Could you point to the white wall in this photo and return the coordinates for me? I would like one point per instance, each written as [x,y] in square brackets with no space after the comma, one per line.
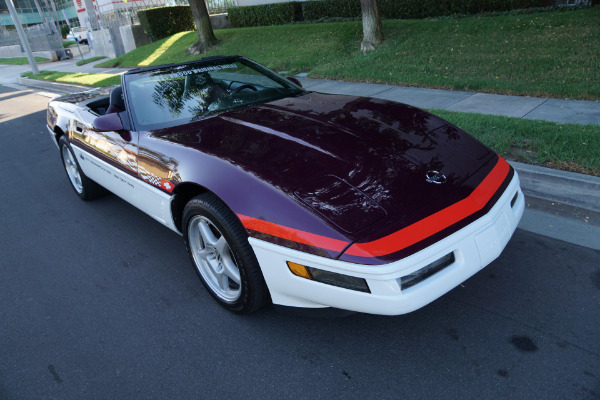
[102,43]
[75,50]
[11,51]
[15,51]
[127,37]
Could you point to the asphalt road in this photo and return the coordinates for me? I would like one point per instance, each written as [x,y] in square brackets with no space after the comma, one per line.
[97,300]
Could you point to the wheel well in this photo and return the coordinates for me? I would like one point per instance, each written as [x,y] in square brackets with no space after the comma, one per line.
[183,194]
[59,132]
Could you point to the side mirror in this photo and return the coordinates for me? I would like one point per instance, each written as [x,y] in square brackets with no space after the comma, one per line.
[108,122]
[294,81]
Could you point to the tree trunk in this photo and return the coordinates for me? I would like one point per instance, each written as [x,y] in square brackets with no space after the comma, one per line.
[53,23]
[206,36]
[57,35]
[55,16]
[371,19]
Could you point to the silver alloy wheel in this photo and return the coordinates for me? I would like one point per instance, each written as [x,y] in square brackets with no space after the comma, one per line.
[72,169]
[214,259]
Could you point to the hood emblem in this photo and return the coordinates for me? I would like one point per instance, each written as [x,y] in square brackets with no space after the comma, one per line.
[435,177]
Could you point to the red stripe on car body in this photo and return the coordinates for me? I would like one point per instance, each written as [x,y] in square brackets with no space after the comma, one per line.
[436,222]
[292,234]
[398,240]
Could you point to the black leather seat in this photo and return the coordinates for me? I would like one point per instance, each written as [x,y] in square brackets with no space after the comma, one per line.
[117,103]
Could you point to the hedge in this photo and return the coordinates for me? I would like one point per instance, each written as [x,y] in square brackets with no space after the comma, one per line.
[161,22]
[316,10]
[434,8]
[64,30]
[408,9]
[265,14]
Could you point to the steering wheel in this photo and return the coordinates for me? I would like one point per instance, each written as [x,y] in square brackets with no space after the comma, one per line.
[245,86]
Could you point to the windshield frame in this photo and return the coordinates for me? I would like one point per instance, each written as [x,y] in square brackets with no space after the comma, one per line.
[136,74]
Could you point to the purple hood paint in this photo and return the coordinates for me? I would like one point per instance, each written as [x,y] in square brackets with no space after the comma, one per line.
[371,156]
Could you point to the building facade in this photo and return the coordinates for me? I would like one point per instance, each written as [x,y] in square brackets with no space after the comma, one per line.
[28,13]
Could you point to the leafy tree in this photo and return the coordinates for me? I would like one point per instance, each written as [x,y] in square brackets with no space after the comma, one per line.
[64,30]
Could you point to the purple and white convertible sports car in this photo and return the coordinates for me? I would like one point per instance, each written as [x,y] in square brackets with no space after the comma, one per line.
[292,197]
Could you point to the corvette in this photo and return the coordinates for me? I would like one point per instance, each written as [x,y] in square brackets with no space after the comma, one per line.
[288,196]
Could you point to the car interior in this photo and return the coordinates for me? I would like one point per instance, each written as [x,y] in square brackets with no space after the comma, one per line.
[191,97]
[160,100]
[108,104]
[117,103]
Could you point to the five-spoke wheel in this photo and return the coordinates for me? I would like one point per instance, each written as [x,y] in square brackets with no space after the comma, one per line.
[213,258]
[72,169]
[83,186]
[224,260]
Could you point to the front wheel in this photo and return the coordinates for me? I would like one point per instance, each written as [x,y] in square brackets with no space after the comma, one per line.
[225,262]
[83,186]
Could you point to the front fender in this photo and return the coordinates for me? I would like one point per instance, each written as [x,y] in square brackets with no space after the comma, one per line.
[267,210]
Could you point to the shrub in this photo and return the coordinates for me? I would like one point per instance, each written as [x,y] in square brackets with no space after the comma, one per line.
[320,9]
[414,9]
[64,30]
[161,22]
[265,14]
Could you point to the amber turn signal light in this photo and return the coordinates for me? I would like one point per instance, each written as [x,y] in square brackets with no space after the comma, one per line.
[299,270]
[329,278]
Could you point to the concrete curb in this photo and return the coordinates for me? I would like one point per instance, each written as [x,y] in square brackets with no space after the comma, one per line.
[570,188]
[53,86]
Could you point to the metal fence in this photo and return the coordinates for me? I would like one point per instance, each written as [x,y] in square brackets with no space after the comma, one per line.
[124,14]
[40,38]
[219,6]
[113,23]
[213,6]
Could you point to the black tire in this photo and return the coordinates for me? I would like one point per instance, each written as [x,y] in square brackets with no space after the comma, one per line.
[217,242]
[85,188]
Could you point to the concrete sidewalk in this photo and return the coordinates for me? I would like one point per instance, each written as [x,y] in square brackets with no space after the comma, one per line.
[556,110]
[8,72]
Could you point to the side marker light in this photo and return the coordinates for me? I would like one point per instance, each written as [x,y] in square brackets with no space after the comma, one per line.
[329,278]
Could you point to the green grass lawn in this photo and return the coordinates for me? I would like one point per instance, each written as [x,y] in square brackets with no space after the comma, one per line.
[88,60]
[569,147]
[20,60]
[93,80]
[554,54]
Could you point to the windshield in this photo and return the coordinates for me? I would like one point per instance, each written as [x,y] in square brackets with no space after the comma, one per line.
[180,94]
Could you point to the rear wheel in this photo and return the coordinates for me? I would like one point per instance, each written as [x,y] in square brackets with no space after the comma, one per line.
[218,246]
[83,186]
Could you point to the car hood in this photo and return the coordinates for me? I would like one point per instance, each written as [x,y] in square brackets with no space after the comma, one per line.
[360,163]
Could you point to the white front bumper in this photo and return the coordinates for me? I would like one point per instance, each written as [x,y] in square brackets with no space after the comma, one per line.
[474,247]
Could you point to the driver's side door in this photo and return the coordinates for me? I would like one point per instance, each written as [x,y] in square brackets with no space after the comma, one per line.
[108,157]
